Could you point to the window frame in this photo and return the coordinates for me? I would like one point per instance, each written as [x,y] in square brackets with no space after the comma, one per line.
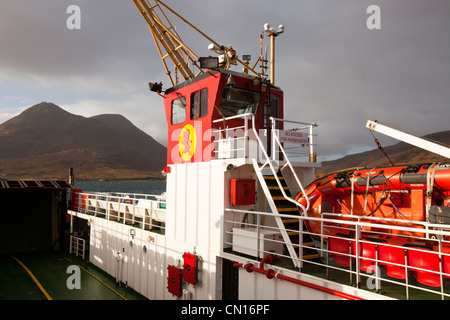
[230,105]
[199,104]
[175,111]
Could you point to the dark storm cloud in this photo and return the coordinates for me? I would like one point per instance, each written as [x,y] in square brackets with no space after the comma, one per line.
[347,74]
[36,40]
[333,69]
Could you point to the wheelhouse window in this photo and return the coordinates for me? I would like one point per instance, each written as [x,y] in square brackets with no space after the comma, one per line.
[199,104]
[179,110]
[238,101]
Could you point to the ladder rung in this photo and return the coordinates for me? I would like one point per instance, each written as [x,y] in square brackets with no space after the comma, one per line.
[179,47]
[273,178]
[290,221]
[278,188]
[287,209]
[281,198]
[311,256]
[268,168]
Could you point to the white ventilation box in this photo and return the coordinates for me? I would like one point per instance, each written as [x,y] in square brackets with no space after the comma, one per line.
[244,241]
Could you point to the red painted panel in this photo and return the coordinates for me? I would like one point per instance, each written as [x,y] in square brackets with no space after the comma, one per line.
[190,268]
[174,280]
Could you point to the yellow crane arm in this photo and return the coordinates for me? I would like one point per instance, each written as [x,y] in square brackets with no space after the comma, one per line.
[168,40]
[169,43]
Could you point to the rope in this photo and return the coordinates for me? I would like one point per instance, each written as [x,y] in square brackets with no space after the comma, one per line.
[381,148]
[396,209]
[378,205]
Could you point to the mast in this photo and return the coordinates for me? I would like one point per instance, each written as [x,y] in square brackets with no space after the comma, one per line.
[272,33]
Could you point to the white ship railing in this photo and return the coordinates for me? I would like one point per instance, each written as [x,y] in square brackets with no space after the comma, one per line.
[140,210]
[245,142]
[264,164]
[77,246]
[232,142]
[297,141]
[241,239]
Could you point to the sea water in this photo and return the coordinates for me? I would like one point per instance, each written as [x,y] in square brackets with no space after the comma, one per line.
[142,187]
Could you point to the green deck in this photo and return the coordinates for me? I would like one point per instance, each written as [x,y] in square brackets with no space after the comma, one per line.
[50,271]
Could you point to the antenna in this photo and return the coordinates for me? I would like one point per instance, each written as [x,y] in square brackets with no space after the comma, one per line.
[272,33]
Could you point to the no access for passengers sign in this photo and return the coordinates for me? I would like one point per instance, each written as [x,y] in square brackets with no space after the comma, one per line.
[293,137]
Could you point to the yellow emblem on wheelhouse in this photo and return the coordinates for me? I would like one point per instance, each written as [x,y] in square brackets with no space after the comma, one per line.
[187,142]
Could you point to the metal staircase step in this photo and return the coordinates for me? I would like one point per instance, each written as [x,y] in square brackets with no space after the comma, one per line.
[293,209]
[274,186]
[287,221]
[277,188]
[273,177]
[268,167]
[311,256]
[310,253]
[279,198]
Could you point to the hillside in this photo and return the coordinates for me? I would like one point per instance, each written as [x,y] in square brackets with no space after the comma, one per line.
[400,153]
[45,141]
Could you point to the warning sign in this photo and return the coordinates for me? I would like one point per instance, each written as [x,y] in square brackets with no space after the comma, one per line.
[293,137]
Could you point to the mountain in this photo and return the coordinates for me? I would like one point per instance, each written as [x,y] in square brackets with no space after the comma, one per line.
[400,153]
[44,141]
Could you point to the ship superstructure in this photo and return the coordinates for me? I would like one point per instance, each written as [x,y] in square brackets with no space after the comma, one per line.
[237,220]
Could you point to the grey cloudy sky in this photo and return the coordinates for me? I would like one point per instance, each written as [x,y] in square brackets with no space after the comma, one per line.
[332,68]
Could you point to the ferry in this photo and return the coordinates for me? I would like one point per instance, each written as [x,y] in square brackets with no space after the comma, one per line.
[243,216]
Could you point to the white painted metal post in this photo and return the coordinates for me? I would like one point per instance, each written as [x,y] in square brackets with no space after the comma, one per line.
[272,143]
[300,241]
[311,145]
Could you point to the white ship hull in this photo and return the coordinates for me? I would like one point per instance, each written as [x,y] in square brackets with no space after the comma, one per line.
[196,222]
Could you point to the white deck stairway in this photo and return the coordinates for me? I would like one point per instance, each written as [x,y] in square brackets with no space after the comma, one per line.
[280,199]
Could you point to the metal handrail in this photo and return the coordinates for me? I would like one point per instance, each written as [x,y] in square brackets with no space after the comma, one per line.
[98,205]
[288,162]
[243,116]
[269,161]
[237,116]
[309,126]
[75,244]
[357,240]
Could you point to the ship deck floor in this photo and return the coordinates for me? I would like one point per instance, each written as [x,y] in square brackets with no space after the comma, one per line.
[44,276]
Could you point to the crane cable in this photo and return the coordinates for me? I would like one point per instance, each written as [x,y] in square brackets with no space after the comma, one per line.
[381,148]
